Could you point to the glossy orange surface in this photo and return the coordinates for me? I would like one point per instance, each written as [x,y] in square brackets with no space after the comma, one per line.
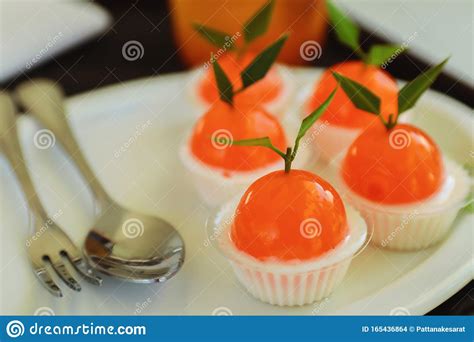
[265,90]
[399,166]
[241,121]
[288,216]
[341,111]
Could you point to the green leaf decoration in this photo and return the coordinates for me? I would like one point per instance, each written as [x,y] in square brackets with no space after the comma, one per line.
[258,24]
[259,67]
[311,119]
[265,142]
[411,92]
[216,37]
[359,95]
[346,30]
[380,54]
[226,93]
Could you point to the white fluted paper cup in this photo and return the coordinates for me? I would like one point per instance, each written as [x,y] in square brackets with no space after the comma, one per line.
[288,283]
[418,225]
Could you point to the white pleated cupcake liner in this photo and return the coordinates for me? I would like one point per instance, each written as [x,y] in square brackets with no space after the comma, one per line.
[277,107]
[415,227]
[295,283]
[291,289]
[399,232]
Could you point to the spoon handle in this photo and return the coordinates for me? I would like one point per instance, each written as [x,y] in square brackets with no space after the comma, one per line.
[43,99]
[10,146]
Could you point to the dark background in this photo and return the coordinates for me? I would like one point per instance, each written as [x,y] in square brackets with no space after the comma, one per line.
[100,62]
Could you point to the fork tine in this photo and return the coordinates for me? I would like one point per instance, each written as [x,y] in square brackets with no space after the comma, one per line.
[48,282]
[64,274]
[87,274]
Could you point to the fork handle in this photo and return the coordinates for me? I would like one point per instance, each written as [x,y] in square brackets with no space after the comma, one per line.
[44,100]
[10,146]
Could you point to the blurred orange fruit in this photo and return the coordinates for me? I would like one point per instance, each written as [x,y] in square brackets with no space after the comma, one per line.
[305,20]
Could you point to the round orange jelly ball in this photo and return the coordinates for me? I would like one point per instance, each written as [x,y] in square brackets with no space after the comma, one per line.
[289,216]
[222,123]
[402,165]
[263,91]
[341,111]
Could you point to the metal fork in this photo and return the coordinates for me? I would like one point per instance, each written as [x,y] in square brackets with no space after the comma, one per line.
[49,245]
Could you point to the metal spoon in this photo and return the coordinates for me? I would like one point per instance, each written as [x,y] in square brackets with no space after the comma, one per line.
[122,243]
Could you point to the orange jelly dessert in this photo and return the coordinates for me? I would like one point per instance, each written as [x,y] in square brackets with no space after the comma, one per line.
[264,91]
[367,71]
[343,121]
[396,166]
[288,216]
[391,162]
[289,238]
[222,123]
[396,175]
[218,168]
[341,111]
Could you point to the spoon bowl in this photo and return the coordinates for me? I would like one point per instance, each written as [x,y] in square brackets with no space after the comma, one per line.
[134,246]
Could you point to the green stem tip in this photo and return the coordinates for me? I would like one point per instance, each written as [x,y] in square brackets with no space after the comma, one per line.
[288,159]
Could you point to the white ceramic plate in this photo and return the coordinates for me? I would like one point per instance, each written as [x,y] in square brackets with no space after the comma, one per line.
[130,133]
